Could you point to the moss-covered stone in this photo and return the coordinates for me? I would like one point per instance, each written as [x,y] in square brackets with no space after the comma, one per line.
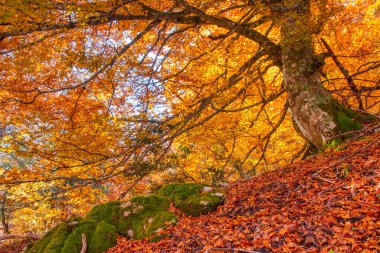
[180,191]
[55,239]
[73,243]
[109,212]
[193,199]
[140,217]
[144,216]
[67,237]
[103,238]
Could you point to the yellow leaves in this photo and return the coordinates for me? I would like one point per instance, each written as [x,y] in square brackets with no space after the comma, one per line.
[89,115]
[13,173]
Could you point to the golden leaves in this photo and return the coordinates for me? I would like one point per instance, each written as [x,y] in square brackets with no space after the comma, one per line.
[82,101]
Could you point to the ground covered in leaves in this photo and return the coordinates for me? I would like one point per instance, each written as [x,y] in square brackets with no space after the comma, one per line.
[326,203]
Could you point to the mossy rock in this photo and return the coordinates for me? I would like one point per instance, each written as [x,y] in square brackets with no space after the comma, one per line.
[140,217]
[109,212]
[74,242]
[54,240]
[103,238]
[145,216]
[67,238]
[193,199]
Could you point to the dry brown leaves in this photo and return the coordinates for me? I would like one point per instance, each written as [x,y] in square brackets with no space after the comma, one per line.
[326,203]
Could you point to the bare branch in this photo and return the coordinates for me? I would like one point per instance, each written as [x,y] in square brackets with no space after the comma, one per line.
[344,71]
[12,237]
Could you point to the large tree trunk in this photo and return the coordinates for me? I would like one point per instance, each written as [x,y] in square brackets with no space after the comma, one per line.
[315,112]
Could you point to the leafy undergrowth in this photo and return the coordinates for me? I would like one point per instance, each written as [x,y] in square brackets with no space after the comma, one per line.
[326,203]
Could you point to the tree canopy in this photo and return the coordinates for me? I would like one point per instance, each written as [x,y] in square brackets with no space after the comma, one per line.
[101,96]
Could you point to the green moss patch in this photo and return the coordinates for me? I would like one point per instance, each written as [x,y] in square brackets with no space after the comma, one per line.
[193,199]
[346,123]
[54,240]
[144,216]
[109,212]
[67,238]
[74,242]
[140,217]
[103,238]
[348,119]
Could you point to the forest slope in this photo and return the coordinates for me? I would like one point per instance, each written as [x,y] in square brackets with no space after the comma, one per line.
[326,203]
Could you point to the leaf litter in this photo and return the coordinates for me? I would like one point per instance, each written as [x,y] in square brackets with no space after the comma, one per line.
[326,203]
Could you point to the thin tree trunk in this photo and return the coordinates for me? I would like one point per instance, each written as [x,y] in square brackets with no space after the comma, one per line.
[4,222]
[3,214]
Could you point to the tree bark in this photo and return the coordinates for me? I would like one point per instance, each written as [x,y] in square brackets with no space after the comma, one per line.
[316,114]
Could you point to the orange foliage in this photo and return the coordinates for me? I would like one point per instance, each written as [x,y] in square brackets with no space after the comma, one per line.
[98,97]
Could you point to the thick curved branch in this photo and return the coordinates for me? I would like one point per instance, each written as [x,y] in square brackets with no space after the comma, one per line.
[190,15]
[269,47]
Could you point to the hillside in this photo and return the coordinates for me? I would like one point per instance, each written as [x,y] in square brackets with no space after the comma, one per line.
[326,203]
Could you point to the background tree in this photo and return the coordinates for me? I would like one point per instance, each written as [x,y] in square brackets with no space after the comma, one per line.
[98,94]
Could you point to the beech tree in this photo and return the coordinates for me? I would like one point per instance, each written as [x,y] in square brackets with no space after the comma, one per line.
[91,90]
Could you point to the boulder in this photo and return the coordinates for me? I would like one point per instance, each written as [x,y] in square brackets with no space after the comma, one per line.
[140,217]
[193,199]
[67,237]
[144,216]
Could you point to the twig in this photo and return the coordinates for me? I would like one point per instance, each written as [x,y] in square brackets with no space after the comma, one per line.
[232,250]
[326,180]
[373,115]
[331,189]
[10,237]
[84,243]
[345,73]
[344,158]
[123,194]
[345,133]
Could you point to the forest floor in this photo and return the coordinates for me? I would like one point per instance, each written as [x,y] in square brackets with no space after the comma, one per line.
[329,203]
[326,203]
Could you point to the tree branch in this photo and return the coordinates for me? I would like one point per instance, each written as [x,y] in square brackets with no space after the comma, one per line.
[231,250]
[27,236]
[345,73]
